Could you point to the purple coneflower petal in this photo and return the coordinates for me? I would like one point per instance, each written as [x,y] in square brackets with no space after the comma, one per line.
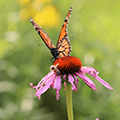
[97,119]
[46,77]
[57,85]
[89,70]
[103,82]
[31,84]
[64,77]
[76,82]
[65,85]
[47,85]
[93,72]
[57,95]
[44,80]
[39,97]
[87,80]
[71,80]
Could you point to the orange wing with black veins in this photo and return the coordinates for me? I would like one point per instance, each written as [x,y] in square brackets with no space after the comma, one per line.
[63,43]
[42,34]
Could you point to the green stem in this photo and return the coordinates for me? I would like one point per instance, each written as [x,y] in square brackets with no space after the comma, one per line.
[69,101]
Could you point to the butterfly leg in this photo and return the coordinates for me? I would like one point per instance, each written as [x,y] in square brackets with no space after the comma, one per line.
[52,59]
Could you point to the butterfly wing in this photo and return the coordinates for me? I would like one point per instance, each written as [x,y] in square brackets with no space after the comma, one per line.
[64,47]
[63,43]
[63,32]
[43,35]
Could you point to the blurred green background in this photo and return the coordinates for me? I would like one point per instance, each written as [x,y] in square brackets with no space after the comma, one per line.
[94,33]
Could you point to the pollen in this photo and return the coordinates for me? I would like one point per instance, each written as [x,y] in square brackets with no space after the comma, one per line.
[68,64]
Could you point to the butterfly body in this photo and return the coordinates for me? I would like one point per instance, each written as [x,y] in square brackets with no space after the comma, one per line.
[63,47]
[54,52]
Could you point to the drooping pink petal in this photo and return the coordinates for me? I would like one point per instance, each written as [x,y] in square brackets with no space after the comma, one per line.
[43,81]
[97,119]
[57,85]
[31,84]
[52,84]
[89,70]
[47,85]
[64,77]
[103,82]
[76,79]
[46,77]
[39,97]
[93,72]
[65,85]
[71,80]
[88,81]
[57,95]
[76,82]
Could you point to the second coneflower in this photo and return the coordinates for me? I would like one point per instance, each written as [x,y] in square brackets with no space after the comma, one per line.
[67,69]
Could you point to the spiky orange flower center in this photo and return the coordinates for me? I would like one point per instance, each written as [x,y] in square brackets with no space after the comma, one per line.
[68,64]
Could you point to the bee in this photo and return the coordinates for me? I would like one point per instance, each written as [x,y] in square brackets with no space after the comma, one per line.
[55,69]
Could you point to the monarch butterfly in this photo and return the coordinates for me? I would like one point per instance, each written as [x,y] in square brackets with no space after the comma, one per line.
[63,47]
